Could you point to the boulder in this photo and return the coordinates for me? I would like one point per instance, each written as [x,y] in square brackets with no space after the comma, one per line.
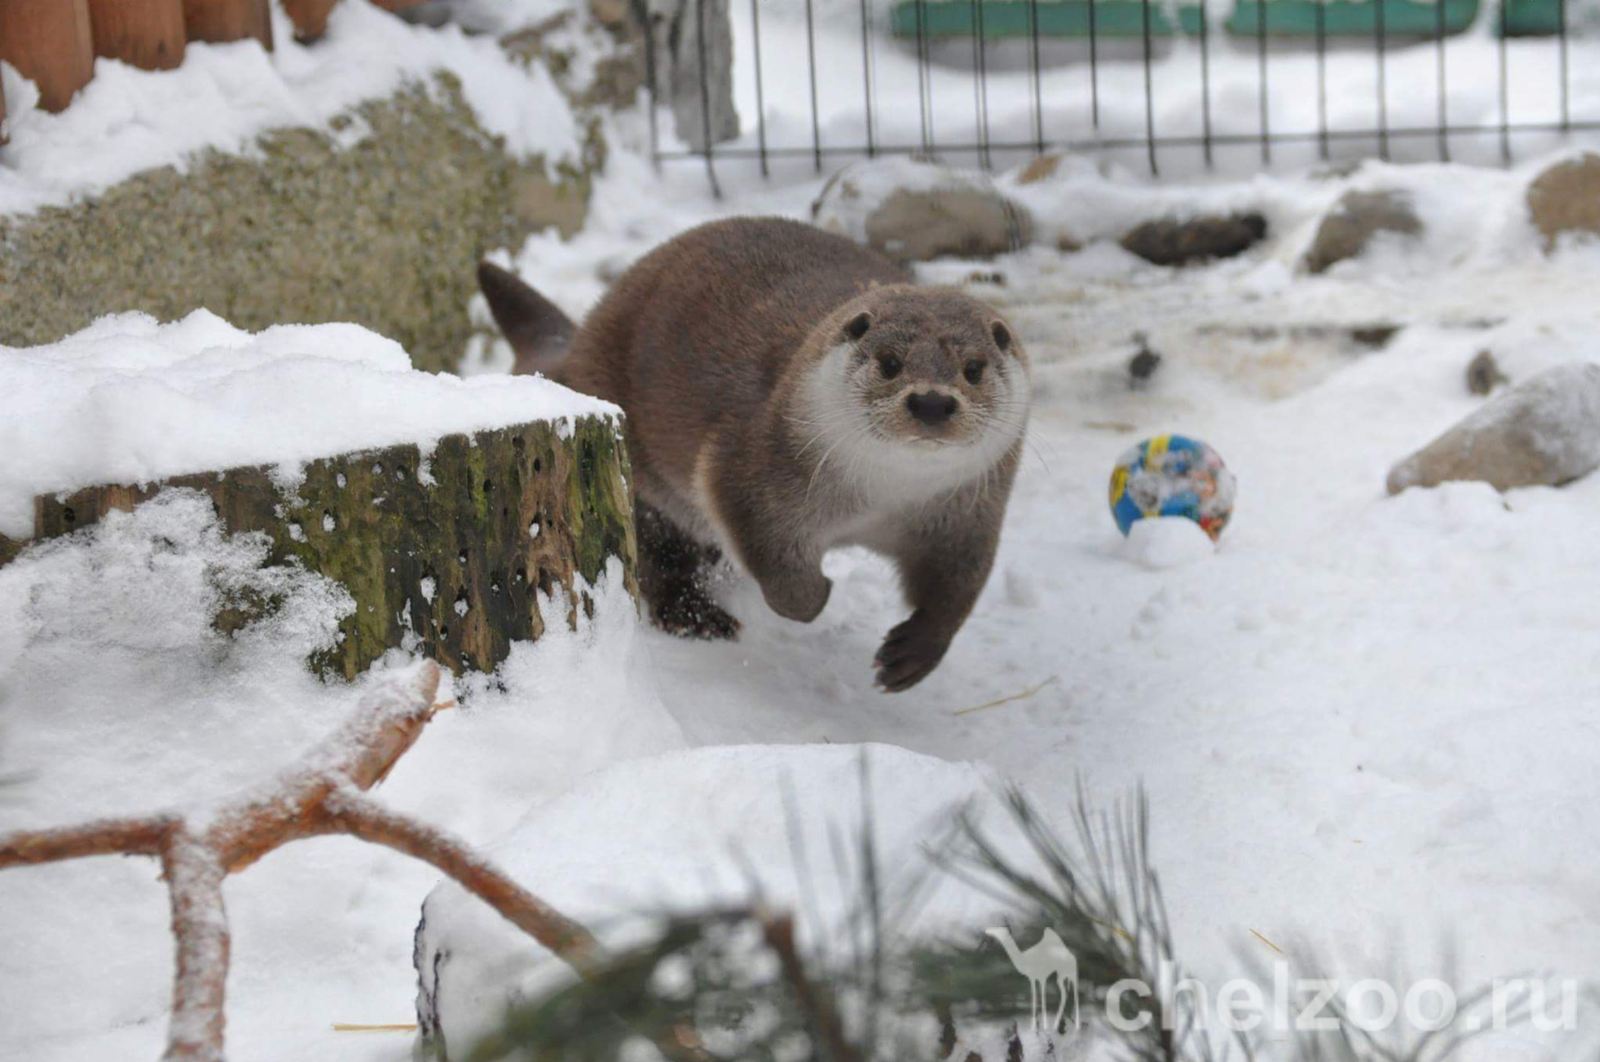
[1173,242]
[1543,432]
[917,211]
[1348,228]
[1566,198]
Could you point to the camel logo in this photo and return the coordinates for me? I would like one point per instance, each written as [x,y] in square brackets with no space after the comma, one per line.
[1046,959]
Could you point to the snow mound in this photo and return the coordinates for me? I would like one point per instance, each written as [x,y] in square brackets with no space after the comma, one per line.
[226,95]
[697,829]
[129,400]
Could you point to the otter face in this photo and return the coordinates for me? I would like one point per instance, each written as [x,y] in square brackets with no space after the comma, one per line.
[933,370]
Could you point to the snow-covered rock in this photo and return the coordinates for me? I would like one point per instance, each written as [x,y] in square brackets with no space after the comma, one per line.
[1173,241]
[1349,227]
[1545,431]
[1566,198]
[687,831]
[918,211]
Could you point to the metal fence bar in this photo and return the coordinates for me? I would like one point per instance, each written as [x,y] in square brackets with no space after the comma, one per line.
[1505,83]
[1381,46]
[1037,79]
[811,66]
[761,100]
[866,74]
[1566,66]
[1094,70]
[1261,61]
[1149,92]
[1205,83]
[1321,15]
[705,95]
[981,86]
[1443,81]
[924,82]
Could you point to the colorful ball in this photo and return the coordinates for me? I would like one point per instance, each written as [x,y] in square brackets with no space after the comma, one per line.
[1172,475]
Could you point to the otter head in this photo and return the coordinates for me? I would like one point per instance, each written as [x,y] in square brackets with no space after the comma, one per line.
[933,368]
[924,383]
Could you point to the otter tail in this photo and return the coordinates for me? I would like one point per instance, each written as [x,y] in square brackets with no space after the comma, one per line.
[538,331]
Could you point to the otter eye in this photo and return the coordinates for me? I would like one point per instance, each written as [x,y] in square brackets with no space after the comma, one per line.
[858,325]
[890,367]
[973,372]
[1002,335]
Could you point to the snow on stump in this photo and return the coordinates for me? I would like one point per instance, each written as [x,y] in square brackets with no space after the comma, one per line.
[1566,198]
[917,211]
[1542,432]
[446,507]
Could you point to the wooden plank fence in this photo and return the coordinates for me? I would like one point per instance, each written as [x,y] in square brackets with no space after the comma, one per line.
[54,42]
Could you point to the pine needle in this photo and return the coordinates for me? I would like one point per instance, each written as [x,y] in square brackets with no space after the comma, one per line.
[1029,692]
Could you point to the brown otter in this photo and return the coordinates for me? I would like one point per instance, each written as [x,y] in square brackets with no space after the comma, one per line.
[788,391]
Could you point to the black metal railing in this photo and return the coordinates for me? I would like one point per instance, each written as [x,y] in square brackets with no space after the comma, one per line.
[1289,47]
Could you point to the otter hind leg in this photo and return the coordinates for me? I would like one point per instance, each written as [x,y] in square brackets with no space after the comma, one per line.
[673,573]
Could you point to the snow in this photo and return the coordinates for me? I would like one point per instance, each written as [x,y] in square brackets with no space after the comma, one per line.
[225,96]
[129,400]
[711,826]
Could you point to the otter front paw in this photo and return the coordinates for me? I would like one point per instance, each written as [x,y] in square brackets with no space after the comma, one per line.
[909,653]
[797,595]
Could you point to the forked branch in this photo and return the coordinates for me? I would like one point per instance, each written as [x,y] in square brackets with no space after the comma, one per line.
[323,795]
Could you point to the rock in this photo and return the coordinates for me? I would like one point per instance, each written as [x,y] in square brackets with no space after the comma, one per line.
[1566,198]
[1143,364]
[1171,242]
[677,26]
[1544,431]
[1348,228]
[1040,169]
[1483,374]
[917,211]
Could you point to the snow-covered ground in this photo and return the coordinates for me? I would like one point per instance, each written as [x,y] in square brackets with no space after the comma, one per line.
[1365,722]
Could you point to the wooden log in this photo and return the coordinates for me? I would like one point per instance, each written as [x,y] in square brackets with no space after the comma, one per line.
[50,44]
[220,21]
[146,33]
[310,18]
[446,555]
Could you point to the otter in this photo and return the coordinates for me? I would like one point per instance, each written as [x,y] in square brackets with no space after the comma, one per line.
[787,391]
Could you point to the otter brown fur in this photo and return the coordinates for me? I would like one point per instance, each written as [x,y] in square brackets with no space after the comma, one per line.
[788,391]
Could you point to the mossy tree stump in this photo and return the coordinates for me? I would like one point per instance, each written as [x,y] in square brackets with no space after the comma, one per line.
[444,552]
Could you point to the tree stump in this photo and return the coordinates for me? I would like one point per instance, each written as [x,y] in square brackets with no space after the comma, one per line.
[445,553]
[310,18]
[50,43]
[220,21]
[145,33]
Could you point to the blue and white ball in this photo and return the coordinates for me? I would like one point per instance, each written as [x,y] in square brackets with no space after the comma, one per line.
[1172,475]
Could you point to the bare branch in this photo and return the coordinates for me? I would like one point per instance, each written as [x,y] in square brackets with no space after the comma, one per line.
[200,927]
[106,837]
[323,796]
[351,813]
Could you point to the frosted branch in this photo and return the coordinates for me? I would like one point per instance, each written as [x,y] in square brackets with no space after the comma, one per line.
[321,796]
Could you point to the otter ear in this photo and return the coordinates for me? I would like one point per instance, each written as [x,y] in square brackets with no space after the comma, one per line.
[1002,335]
[858,325]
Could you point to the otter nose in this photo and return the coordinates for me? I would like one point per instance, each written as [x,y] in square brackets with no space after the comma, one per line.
[931,407]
